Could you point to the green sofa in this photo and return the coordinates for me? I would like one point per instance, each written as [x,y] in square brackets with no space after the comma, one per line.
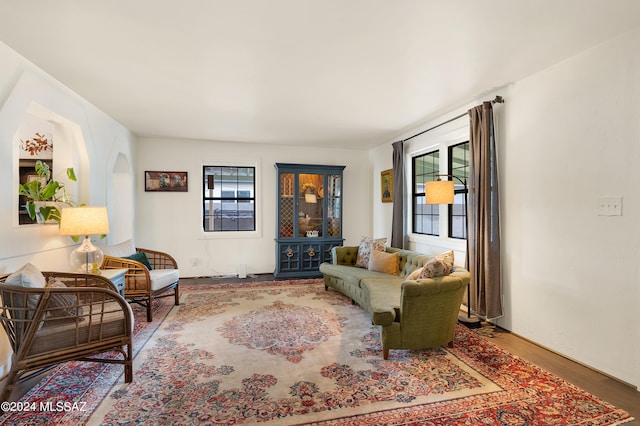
[412,314]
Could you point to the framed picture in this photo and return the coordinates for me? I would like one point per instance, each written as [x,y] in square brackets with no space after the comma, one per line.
[165,181]
[386,185]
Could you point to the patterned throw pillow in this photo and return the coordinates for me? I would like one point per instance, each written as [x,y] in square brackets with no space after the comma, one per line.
[381,261]
[62,305]
[439,266]
[415,274]
[364,250]
[448,257]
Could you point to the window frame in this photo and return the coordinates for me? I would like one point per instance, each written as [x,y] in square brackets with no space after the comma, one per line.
[458,191]
[440,138]
[237,198]
[419,197]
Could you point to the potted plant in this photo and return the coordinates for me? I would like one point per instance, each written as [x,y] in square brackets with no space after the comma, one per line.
[45,195]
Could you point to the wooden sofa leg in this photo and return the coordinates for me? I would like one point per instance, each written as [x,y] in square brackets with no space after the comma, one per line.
[176,293]
[450,344]
[385,353]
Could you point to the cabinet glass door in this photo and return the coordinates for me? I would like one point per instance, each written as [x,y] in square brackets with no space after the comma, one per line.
[287,210]
[310,215]
[334,205]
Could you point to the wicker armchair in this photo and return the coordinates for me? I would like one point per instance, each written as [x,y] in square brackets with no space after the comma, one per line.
[144,283]
[50,325]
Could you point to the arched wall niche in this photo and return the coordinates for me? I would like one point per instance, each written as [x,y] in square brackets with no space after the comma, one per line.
[69,150]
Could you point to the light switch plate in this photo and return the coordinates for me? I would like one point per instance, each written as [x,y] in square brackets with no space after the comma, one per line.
[610,206]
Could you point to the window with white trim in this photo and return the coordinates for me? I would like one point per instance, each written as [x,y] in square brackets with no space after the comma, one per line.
[426,167]
[426,217]
[229,199]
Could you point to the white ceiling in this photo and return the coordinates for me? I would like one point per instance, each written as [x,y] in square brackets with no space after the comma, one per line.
[346,73]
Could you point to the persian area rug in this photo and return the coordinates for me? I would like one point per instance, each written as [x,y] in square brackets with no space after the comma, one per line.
[290,352]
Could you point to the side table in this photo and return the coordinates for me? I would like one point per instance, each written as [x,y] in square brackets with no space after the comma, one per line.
[116,276]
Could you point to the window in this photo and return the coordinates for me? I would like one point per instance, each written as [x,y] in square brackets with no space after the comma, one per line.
[458,167]
[229,199]
[426,217]
[426,167]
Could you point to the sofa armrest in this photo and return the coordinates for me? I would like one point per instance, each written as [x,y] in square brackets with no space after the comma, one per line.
[344,255]
[159,259]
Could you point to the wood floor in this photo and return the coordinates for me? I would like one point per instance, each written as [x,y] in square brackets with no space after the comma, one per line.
[614,392]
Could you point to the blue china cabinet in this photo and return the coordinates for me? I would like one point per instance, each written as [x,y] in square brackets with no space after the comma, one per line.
[309,217]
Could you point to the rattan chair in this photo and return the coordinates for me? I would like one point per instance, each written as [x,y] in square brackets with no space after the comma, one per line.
[143,284]
[51,325]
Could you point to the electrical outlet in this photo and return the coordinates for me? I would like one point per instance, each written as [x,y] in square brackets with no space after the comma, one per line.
[610,206]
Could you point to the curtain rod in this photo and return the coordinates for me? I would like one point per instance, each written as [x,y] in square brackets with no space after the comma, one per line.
[497,100]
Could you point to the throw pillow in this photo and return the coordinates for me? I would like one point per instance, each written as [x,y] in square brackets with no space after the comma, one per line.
[415,274]
[62,304]
[367,245]
[124,249]
[447,257]
[382,261]
[30,277]
[142,258]
[436,267]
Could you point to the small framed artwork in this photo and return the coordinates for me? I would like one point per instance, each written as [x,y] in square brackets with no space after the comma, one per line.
[386,185]
[165,181]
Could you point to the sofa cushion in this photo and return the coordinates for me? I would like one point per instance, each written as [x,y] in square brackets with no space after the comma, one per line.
[381,261]
[383,298]
[367,245]
[123,249]
[161,278]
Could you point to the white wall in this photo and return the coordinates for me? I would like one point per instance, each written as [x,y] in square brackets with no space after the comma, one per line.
[566,137]
[172,221]
[26,89]
[571,134]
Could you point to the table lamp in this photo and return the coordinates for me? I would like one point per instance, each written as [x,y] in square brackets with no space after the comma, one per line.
[85,220]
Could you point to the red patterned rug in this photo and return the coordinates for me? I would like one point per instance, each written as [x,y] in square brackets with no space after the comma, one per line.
[289,352]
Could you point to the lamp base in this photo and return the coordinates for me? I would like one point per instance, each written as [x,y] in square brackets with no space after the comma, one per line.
[86,258]
[469,322]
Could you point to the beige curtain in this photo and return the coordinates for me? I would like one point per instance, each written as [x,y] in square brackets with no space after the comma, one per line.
[483,212]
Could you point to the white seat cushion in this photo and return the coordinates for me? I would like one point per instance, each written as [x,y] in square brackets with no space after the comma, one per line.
[160,278]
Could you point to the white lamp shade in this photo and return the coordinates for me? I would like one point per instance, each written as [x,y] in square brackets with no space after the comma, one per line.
[439,192]
[84,220]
